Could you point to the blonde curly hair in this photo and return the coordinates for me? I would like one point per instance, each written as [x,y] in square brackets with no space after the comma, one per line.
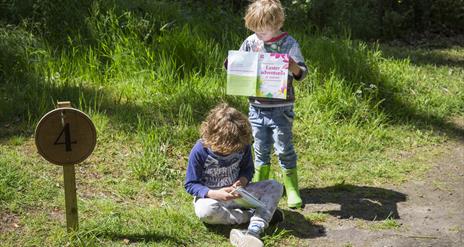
[264,15]
[225,130]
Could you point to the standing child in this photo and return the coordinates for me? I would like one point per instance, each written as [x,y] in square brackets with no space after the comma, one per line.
[272,119]
[220,162]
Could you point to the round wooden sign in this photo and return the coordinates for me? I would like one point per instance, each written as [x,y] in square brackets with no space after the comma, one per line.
[65,136]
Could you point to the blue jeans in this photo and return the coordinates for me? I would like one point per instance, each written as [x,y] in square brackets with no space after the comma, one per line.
[273,126]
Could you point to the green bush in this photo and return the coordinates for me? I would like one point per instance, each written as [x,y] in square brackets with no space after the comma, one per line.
[386,19]
[364,19]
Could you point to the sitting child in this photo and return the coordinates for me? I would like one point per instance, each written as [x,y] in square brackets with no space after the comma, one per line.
[220,162]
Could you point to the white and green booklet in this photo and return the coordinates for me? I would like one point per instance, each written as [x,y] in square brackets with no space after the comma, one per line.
[247,200]
[257,74]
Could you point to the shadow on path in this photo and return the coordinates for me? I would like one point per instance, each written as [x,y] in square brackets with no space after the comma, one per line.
[300,227]
[362,202]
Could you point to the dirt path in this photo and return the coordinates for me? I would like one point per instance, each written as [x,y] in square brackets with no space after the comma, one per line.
[426,212]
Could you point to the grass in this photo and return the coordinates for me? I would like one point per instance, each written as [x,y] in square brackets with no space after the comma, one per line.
[316,217]
[148,77]
[387,224]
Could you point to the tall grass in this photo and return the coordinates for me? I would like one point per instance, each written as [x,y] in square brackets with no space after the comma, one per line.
[147,72]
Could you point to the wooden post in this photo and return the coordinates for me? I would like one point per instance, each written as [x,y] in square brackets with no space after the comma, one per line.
[66,136]
[62,104]
[70,197]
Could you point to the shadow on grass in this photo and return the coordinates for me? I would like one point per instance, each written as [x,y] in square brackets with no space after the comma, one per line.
[422,56]
[40,99]
[25,109]
[224,230]
[143,238]
[362,202]
[27,93]
[400,112]
[357,66]
[294,224]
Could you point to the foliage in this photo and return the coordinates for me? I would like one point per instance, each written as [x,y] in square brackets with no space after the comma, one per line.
[382,19]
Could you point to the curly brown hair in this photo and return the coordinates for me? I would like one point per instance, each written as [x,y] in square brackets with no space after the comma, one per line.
[264,15]
[225,130]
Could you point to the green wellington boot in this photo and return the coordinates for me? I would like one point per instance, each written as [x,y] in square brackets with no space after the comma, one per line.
[291,188]
[261,173]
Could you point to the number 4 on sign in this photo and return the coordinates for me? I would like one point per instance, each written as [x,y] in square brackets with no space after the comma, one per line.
[67,138]
[75,131]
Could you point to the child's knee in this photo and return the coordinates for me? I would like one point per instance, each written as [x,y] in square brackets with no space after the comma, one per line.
[206,210]
[275,187]
[272,187]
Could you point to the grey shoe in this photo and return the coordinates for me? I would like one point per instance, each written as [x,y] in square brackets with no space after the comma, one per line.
[240,238]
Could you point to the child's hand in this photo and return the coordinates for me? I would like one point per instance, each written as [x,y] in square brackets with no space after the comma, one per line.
[223,194]
[241,182]
[294,68]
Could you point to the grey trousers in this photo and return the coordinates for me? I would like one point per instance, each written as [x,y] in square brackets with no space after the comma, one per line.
[212,211]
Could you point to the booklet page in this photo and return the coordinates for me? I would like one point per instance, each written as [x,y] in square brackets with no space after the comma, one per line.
[242,73]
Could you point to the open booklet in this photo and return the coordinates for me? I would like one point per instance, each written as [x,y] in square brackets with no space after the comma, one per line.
[257,74]
[247,200]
